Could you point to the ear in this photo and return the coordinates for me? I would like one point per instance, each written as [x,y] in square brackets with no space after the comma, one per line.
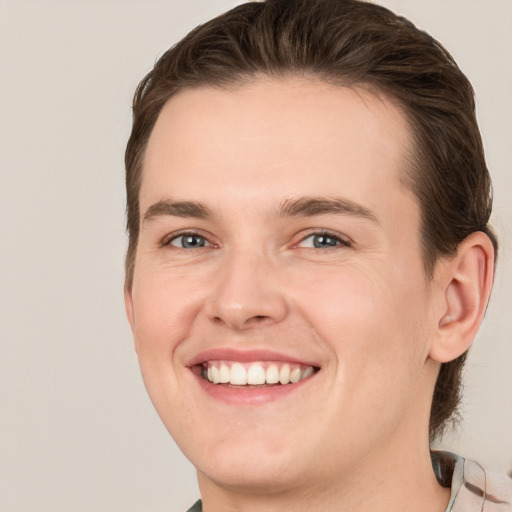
[463,285]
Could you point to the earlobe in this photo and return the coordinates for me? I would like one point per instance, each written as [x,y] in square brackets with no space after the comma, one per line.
[466,283]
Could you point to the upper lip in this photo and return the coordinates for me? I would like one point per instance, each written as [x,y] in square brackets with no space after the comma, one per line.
[247,355]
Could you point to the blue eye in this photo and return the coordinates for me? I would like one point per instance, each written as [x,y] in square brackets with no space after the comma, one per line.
[189,241]
[322,241]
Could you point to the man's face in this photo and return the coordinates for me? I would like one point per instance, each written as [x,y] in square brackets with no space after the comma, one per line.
[277,242]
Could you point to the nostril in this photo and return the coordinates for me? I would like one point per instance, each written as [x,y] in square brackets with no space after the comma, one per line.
[242,312]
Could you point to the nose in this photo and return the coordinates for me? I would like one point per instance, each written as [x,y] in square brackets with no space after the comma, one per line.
[246,294]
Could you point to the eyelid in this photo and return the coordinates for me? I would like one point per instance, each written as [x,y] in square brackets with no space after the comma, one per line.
[344,241]
[166,241]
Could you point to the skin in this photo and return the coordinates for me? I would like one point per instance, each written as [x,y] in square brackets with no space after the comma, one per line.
[361,310]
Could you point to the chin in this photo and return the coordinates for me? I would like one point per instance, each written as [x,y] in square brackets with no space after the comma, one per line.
[249,475]
[262,464]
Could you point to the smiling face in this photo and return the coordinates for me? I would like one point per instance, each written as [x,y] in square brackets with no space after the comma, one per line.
[278,246]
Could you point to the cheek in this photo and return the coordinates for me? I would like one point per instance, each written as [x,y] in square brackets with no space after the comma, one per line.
[163,314]
[164,305]
[371,321]
[373,328]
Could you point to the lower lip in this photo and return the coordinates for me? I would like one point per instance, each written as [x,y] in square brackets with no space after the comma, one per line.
[242,395]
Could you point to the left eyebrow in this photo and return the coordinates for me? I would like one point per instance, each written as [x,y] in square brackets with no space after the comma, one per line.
[312,206]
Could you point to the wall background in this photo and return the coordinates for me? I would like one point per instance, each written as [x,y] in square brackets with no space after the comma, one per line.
[77,431]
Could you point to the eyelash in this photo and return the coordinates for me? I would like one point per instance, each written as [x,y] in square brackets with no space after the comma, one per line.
[168,240]
[339,241]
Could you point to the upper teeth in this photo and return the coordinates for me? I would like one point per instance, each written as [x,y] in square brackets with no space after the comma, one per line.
[257,373]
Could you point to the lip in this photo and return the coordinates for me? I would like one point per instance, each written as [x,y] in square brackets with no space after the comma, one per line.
[246,356]
[241,395]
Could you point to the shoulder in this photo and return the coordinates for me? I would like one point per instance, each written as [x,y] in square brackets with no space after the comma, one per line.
[473,488]
[196,507]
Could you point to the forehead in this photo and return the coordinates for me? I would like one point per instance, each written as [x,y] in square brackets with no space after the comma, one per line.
[277,136]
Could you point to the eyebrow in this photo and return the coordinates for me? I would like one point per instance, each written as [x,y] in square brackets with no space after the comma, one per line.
[177,209]
[312,206]
[301,207]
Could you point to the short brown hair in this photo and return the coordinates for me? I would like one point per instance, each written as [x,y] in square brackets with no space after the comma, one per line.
[345,42]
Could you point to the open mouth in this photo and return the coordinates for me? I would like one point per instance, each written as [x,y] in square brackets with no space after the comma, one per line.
[254,374]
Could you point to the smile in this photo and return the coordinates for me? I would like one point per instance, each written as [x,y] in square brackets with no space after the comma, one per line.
[257,373]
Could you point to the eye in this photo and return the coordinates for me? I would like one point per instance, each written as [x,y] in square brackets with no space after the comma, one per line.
[323,241]
[188,241]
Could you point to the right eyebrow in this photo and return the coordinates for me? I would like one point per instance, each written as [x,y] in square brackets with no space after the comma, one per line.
[176,209]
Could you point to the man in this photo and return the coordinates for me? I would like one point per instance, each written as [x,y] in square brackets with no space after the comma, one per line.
[310,258]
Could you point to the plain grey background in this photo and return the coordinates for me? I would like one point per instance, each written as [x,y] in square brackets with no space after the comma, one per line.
[77,432]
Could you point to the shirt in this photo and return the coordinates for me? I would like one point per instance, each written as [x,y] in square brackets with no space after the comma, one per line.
[473,489]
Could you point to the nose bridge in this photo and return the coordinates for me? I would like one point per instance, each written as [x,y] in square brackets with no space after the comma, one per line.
[246,291]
